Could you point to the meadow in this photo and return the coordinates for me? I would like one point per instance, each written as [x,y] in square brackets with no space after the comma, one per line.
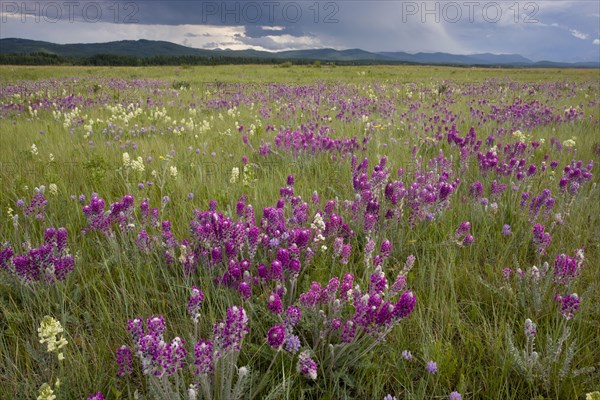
[259,232]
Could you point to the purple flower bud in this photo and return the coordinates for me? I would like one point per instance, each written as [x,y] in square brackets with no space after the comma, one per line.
[307,366]
[405,305]
[96,396]
[431,367]
[530,328]
[195,301]
[276,270]
[276,336]
[462,229]
[262,271]
[386,248]
[293,315]
[315,198]
[294,266]
[468,240]
[274,303]
[245,290]
[292,344]
[455,396]
[568,305]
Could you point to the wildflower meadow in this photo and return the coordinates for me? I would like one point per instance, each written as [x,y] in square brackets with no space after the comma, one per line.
[305,232]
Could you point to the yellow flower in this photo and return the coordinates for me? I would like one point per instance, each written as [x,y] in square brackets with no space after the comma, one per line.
[49,332]
[53,189]
[569,142]
[235,175]
[46,393]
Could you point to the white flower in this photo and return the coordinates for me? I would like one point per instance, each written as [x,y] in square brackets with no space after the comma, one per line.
[34,149]
[53,189]
[192,394]
[173,171]
[235,175]
[569,142]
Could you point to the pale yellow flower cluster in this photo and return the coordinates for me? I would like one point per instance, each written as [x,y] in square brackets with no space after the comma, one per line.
[318,222]
[235,175]
[46,393]
[521,137]
[592,396]
[135,165]
[248,176]
[53,189]
[50,332]
[569,142]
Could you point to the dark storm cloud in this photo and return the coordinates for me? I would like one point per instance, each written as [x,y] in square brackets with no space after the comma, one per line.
[556,30]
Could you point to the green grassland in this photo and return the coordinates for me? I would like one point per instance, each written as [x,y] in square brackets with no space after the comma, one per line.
[465,310]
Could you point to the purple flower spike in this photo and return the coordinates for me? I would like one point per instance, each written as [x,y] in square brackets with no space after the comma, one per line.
[203,352]
[124,360]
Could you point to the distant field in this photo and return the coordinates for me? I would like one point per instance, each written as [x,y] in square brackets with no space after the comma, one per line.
[412,231]
[305,74]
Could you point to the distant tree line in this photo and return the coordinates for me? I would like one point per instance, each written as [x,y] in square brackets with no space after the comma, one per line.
[42,58]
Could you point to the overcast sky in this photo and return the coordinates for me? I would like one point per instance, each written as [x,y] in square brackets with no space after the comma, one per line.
[540,30]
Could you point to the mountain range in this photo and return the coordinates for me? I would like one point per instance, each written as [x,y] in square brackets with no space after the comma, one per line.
[151,48]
